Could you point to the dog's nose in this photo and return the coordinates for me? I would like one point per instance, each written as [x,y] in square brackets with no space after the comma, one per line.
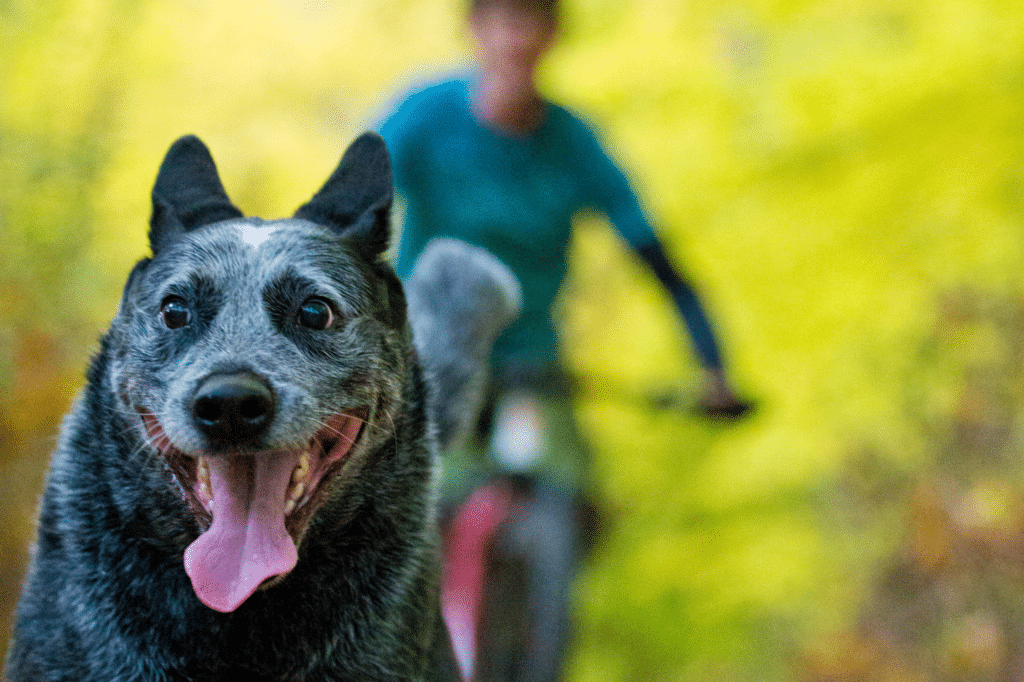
[233,408]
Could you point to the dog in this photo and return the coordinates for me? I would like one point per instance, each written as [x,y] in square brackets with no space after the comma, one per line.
[244,487]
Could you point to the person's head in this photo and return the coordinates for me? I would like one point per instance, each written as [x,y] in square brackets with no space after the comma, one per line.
[513,35]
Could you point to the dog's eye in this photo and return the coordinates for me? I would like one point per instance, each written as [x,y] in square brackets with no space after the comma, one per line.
[315,313]
[175,313]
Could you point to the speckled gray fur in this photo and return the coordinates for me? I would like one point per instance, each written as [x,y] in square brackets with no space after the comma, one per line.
[107,597]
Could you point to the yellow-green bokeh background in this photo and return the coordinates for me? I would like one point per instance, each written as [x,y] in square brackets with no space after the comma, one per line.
[842,179]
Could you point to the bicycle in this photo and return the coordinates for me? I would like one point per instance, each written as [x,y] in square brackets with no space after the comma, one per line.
[512,548]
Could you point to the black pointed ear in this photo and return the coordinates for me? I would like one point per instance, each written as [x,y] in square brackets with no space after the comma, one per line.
[355,201]
[187,194]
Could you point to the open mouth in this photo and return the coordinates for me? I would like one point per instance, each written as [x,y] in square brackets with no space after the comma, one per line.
[253,508]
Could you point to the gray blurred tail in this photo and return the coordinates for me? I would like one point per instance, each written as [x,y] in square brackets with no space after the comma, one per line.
[460,298]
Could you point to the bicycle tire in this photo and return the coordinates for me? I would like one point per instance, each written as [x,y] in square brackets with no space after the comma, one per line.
[504,625]
[523,630]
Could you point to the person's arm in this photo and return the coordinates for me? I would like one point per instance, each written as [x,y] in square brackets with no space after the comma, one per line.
[610,192]
[687,303]
[718,399]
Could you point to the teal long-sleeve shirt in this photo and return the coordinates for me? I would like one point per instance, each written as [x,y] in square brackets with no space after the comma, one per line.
[515,195]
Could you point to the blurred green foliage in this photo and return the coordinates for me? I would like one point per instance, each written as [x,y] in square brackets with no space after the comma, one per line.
[843,179]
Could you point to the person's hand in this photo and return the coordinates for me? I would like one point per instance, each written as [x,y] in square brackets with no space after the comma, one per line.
[719,401]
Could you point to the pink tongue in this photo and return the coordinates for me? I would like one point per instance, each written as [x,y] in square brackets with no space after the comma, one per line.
[247,542]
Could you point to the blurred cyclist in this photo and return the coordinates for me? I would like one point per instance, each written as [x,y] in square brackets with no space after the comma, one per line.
[486,158]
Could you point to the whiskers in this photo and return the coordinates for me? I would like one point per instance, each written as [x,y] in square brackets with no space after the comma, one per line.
[332,425]
[149,425]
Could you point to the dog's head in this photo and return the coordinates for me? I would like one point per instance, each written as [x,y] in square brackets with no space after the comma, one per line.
[261,360]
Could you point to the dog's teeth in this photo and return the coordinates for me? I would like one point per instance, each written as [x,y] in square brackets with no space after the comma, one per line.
[293,496]
[302,469]
[205,492]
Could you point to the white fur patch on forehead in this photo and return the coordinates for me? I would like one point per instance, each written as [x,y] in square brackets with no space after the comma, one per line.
[256,235]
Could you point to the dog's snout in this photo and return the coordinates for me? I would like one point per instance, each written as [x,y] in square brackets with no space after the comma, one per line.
[233,408]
